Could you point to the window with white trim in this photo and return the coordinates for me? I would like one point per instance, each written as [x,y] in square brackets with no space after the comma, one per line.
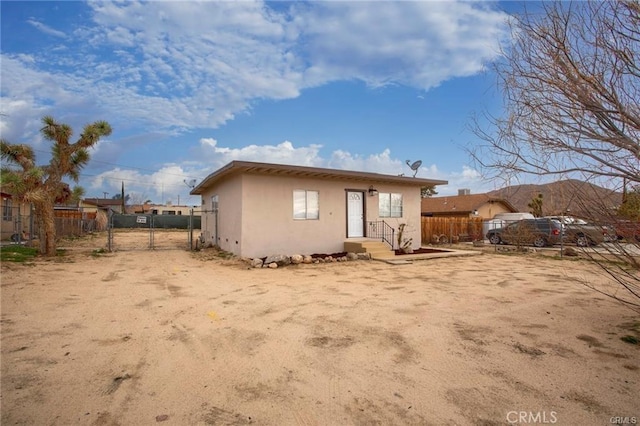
[389,204]
[305,205]
[7,209]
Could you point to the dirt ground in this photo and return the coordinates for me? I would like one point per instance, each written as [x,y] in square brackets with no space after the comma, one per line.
[168,336]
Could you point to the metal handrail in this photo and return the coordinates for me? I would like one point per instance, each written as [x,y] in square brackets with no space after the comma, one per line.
[382,230]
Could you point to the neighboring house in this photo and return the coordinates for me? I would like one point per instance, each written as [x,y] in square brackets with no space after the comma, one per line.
[76,218]
[258,209]
[168,209]
[70,206]
[90,206]
[16,216]
[106,204]
[465,205]
[163,209]
[139,208]
[115,205]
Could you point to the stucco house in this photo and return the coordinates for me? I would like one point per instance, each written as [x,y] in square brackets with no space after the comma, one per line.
[16,217]
[169,209]
[104,204]
[257,209]
[466,205]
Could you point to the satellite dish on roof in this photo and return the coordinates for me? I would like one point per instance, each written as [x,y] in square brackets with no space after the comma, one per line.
[414,166]
[190,183]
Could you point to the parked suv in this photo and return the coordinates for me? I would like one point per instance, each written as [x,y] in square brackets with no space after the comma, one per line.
[539,232]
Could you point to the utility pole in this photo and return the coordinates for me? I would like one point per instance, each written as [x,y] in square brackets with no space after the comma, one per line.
[122,199]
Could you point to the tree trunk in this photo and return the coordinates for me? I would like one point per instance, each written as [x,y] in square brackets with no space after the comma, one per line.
[47,228]
[39,228]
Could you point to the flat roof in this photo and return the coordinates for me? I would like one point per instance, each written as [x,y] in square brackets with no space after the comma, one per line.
[250,167]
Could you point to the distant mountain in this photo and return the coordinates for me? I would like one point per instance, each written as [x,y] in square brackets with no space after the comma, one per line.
[571,197]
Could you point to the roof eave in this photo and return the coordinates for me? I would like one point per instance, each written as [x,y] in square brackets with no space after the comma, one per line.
[312,172]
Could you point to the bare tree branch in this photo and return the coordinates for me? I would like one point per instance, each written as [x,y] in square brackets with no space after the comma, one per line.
[571,87]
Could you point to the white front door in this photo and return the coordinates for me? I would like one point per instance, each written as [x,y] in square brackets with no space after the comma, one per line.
[355,214]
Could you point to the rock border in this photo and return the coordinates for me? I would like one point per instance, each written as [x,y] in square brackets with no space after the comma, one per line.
[279,260]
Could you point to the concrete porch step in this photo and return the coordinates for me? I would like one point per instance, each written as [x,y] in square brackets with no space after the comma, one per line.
[399,261]
[377,248]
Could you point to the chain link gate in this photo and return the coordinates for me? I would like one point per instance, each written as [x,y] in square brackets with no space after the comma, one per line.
[151,232]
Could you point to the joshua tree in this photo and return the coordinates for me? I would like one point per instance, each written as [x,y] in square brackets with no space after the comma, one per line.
[43,186]
[536,206]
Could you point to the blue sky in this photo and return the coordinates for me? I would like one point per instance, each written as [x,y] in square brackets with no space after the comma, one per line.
[190,86]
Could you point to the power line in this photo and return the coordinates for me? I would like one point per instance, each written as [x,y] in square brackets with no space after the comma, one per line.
[130,167]
[138,182]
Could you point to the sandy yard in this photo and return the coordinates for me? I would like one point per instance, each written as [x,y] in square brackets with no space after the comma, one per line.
[172,337]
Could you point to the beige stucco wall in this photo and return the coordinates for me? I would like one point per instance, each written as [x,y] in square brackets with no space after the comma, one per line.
[87,208]
[229,222]
[489,210]
[255,216]
[20,218]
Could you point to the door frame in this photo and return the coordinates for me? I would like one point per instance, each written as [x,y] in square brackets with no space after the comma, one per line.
[364,210]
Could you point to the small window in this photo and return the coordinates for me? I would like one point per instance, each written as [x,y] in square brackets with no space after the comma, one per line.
[389,205]
[7,210]
[305,205]
[214,203]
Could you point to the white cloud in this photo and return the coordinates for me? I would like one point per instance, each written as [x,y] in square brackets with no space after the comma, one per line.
[176,66]
[419,44]
[121,36]
[377,163]
[184,65]
[16,117]
[467,178]
[46,29]
[469,173]
[208,142]
[165,184]
[282,153]
[29,93]
[169,180]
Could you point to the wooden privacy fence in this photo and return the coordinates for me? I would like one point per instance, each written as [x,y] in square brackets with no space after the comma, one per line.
[71,223]
[451,229]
